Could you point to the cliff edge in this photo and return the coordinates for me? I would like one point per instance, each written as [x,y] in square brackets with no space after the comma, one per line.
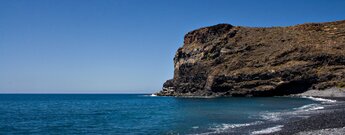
[226,60]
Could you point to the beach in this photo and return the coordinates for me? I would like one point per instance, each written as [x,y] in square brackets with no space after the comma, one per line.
[326,118]
[328,121]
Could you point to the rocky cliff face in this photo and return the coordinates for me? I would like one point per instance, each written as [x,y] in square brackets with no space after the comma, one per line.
[226,60]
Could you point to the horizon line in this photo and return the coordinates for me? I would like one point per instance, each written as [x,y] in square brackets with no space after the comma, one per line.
[75,93]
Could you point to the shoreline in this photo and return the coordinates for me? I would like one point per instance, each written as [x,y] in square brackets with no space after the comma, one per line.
[326,93]
[328,121]
[325,118]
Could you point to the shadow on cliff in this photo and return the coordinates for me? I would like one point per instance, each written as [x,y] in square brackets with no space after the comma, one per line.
[293,87]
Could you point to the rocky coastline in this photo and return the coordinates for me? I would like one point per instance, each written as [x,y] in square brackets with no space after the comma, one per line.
[227,60]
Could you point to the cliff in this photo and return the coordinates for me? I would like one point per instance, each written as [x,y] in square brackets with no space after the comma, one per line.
[226,60]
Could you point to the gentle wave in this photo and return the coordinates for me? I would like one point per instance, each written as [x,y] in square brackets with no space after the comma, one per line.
[276,116]
[310,107]
[268,130]
[195,127]
[323,100]
[153,95]
[271,116]
[223,128]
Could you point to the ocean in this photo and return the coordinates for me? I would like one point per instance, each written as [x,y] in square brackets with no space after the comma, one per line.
[144,114]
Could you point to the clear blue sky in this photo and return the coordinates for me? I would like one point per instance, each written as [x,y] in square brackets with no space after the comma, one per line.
[126,46]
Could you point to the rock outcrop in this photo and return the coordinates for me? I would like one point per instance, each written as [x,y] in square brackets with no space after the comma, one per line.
[226,60]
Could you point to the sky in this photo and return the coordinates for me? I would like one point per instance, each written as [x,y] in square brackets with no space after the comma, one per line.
[122,46]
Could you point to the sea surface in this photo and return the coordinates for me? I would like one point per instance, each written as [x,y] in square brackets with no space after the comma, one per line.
[145,114]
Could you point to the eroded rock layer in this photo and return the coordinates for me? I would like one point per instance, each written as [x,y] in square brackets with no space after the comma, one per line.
[226,60]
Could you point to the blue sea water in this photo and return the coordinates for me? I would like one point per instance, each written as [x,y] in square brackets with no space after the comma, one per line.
[135,113]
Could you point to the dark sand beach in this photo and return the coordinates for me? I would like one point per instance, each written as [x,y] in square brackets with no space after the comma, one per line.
[332,119]
[327,118]
[328,121]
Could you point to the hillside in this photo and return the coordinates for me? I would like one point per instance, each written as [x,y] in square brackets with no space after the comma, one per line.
[226,60]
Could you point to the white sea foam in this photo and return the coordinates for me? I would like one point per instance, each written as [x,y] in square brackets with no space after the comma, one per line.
[273,116]
[225,127]
[276,116]
[268,130]
[320,99]
[310,107]
[222,128]
[195,127]
[153,95]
